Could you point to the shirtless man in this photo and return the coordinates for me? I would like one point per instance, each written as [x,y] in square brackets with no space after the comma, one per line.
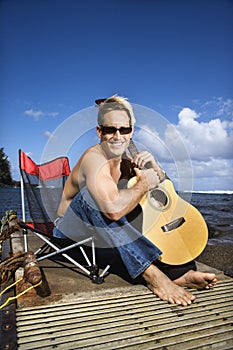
[98,173]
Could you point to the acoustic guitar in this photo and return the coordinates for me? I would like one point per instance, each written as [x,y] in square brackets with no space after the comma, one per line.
[175,226]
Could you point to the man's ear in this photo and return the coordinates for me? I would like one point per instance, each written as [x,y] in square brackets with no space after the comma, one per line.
[98,131]
[131,134]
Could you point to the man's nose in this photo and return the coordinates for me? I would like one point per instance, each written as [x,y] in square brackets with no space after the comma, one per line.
[117,133]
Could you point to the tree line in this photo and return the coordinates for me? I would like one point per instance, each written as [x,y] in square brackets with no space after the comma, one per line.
[5,171]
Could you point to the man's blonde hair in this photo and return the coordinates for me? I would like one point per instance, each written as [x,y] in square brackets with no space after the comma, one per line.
[115,102]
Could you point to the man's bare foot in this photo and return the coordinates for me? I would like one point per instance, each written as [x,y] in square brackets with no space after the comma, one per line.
[165,289]
[197,280]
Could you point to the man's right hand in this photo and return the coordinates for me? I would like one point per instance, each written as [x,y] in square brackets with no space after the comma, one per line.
[148,178]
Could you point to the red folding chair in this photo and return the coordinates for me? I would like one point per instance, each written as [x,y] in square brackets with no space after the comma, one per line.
[43,186]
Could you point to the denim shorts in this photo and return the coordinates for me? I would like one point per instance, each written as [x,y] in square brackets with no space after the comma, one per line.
[83,219]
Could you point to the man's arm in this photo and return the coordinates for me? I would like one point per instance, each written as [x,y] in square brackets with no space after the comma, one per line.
[115,203]
[70,190]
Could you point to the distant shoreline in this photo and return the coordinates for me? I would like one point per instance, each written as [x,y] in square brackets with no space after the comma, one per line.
[211,192]
[17,185]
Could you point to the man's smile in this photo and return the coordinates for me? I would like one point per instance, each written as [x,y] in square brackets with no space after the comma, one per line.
[116,143]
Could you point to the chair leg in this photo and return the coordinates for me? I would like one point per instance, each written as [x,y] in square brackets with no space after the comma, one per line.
[93,269]
[42,249]
[61,251]
[96,278]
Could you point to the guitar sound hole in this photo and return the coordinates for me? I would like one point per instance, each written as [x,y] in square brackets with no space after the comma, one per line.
[159,198]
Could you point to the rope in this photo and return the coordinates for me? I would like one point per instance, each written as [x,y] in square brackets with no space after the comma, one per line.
[19,295]
[9,265]
[9,216]
[8,225]
[7,232]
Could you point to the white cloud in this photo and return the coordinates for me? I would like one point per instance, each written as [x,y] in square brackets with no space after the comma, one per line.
[198,148]
[52,114]
[215,174]
[209,144]
[213,168]
[217,106]
[204,140]
[187,115]
[37,114]
[49,135]
[174,159]
[225,107]
[150,138]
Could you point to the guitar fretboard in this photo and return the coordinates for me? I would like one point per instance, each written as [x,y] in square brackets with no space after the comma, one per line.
[134,151]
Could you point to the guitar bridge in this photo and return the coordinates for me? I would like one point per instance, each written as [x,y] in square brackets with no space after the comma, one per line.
[173,224]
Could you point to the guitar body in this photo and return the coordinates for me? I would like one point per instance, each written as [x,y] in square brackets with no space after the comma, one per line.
[176,227]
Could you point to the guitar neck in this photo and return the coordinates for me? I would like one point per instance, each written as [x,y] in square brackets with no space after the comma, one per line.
[134,151]
[132,148]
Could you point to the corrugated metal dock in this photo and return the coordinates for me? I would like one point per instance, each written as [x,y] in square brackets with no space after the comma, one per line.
[78,314]
[133,321]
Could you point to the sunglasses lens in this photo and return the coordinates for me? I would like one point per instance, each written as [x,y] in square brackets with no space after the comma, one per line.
[124,131]
[112,130]
[108,130]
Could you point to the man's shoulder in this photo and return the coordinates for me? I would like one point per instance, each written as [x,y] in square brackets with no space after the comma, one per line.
[92,155]
[93,151]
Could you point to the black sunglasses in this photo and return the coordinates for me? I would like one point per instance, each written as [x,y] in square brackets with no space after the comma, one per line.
[123,130]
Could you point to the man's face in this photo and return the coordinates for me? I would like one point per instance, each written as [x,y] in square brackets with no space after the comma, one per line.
[115,142]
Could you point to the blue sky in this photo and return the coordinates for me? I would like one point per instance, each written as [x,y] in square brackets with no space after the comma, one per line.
[173,57]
